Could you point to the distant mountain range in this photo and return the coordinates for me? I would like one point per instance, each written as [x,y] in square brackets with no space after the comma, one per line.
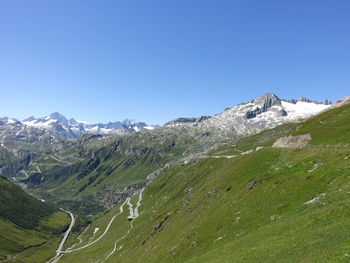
[266,111]
[71,128]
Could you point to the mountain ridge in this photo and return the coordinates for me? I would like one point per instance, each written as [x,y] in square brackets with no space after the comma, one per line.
[248,118]
[71,128]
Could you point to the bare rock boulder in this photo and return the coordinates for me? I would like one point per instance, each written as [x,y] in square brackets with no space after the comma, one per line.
[293,141]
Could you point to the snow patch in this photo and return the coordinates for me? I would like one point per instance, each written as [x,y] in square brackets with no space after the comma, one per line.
[303,109]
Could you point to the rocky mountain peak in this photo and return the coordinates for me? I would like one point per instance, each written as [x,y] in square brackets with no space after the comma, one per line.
[265,103]
[59,124]
[57,117]
[31,118]
[303,99]
[327,102]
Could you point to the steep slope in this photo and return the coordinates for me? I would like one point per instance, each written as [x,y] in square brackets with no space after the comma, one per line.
[27,224]
[242,203]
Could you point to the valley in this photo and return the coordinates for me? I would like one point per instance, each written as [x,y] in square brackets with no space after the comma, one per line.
[239,185]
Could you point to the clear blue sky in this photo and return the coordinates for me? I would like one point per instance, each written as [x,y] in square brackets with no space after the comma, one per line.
[155,60]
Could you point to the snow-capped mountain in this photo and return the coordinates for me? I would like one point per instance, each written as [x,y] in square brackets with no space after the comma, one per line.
[71,128]
[7,120]
[264,112]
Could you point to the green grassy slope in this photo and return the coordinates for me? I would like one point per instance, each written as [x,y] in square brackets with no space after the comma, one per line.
[26,223]
[125,162]
[271,205]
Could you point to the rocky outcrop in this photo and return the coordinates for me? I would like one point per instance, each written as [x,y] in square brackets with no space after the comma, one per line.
[341,102]
[109,199]
[303,99]
[264,104]
[293,141]
[187,121]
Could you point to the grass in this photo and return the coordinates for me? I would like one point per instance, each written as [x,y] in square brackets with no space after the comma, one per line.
[14,238]
[26,223]
[21,208]
[31,245]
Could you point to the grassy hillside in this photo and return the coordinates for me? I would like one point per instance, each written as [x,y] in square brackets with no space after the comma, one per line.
[112,171]
[266,205]
[27,224]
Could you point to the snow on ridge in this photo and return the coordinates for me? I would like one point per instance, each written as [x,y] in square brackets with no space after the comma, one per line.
[303,109]
[10,121]
[92,129]
[262,113]
[105,130]
[83,122]
[38,124]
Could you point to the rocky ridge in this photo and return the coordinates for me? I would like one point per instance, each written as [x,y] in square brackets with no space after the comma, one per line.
[264,112]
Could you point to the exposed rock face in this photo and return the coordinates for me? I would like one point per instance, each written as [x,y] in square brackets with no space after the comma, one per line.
[110,198]
[303,99]
[293,141]
[341,102]
[186,121]
[264,104]
[265,112]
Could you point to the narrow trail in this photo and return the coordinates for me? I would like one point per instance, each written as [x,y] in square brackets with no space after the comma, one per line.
[45,164]
[59,251]
[93,235]
[134,214]
[59,160]
[223,156]
[25,173]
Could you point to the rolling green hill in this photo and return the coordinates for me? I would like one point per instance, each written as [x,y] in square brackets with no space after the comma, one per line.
[27,225]
[241,204]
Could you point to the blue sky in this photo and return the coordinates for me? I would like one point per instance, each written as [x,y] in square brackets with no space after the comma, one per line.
[155,60]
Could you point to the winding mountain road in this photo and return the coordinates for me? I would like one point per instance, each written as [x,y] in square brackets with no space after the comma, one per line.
[134,214]
[59,251]
[222,156]
[59,160]
[121,210]
[79,238]
[25,173]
